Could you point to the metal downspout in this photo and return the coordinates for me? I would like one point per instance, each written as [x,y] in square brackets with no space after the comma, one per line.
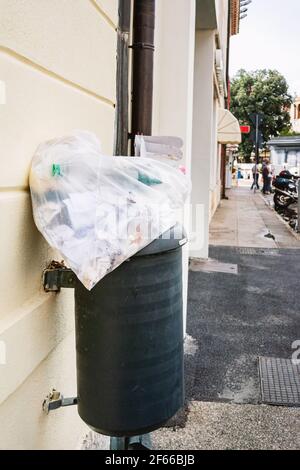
[227,101]
[122,107]
[143,64]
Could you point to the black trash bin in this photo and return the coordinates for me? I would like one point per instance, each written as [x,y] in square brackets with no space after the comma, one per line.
[129,342]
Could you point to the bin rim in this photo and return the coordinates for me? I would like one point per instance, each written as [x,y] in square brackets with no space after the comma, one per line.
[170,240]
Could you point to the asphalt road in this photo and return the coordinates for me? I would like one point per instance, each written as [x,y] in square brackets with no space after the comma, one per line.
[233,319]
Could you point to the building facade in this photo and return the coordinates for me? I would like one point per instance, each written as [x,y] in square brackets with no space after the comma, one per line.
[190,95]
[285,154]
[213,30]
[58,73]
[295,115]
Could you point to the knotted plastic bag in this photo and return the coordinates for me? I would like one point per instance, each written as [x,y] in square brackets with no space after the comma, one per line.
[98,211]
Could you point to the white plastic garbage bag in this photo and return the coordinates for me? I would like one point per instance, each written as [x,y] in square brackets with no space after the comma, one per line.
[164,149]
[98,211]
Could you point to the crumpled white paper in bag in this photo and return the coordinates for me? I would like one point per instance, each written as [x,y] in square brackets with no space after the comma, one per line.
[98,211]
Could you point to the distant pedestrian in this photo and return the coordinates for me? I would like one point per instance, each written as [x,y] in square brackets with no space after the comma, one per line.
[255,174]
[265,174]
[270,179]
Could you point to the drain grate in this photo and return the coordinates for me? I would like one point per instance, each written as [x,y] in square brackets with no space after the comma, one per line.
[279,381]
[258,251]
[212,266]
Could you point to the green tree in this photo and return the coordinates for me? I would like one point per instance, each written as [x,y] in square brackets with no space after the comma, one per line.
[261,91]
[289,133]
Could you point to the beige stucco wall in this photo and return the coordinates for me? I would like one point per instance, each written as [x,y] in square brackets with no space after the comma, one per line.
[184,108]
[203,143]
[173,85]
[215,189]
[206,152]
[222,17]
[57,65]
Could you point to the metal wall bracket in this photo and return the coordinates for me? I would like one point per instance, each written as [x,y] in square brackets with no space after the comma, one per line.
[58,276]
[142,45]
[55,400]
[131,443]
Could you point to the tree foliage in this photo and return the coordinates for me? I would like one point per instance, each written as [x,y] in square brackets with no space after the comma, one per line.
[261,91]
[289,133]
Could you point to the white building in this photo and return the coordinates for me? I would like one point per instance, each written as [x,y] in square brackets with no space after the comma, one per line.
[285,154]
[191,105]
[295,115]
[58,73]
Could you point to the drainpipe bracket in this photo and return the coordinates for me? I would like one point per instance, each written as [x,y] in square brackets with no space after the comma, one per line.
[55,400]
[57,276]
[142,45]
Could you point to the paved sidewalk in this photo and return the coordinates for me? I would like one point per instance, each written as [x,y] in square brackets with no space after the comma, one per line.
[245,219]
[219,426]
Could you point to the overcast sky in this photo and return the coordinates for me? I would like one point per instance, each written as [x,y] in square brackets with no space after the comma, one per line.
[270,38]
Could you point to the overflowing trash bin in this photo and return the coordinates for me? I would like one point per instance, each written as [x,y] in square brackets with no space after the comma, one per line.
[114,221]
[129,342]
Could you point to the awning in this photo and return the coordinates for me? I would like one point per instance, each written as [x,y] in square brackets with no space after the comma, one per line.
[229,131]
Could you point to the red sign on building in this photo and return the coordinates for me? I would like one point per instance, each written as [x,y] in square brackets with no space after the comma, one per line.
[245,129]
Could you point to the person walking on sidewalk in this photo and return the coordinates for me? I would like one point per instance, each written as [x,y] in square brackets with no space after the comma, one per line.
[265,173]
[270,179]
[255,174]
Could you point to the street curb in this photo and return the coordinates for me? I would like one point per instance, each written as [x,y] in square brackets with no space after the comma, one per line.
[295,234]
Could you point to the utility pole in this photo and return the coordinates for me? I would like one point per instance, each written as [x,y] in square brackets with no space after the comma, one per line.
[256,152]
[256,139]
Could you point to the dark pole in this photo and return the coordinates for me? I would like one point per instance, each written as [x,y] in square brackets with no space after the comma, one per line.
[227,101]
[223,169]
[143,63]
[256,152]
[121,142]
[256,139]
[228,54]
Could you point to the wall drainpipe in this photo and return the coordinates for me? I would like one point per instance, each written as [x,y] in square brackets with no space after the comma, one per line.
[143,65]
[223,150]
[228,55]
[122,107]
